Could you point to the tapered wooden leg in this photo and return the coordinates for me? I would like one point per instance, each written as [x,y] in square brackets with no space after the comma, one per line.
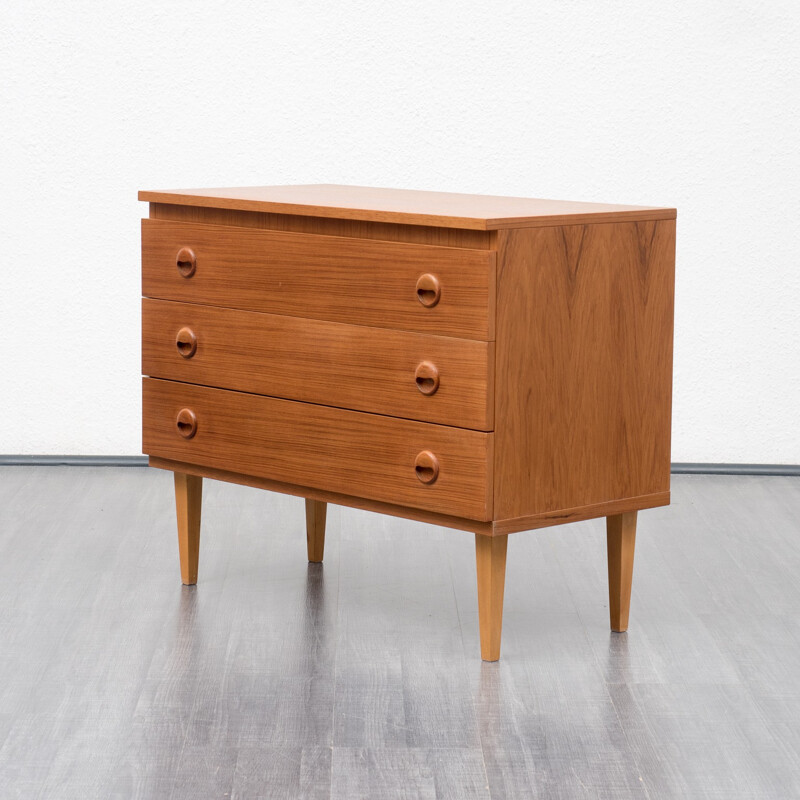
[621,536]
[188,501]
[490,555]
[316,512]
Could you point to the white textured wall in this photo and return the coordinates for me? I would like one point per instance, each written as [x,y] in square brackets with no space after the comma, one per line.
[690,104]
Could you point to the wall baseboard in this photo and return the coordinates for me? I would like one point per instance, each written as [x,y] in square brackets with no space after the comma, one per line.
[73,461]
[690,468]
[681,468]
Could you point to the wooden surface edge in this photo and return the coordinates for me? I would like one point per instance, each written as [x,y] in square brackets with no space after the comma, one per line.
[326,226]
[488,252]
[419,515]
[406,217]
[589,218]
[497,528]
[580,513]
[295,209]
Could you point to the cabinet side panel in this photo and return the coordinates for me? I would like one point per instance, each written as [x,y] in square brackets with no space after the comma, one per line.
[583,365]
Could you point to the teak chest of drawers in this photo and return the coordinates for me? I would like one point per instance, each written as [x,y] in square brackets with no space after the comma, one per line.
[484,363]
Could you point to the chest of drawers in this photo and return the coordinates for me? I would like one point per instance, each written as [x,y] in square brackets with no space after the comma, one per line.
[481,363]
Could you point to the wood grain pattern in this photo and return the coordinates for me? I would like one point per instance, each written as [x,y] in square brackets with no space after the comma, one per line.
[488,528]
[330,363]
[443,209]
[188,506]
[316,513]
[366,282]
[490,557]
[344,302]
[621,542]
[583,366]
[343,451]
[580,513]
[329,226]
[324,495]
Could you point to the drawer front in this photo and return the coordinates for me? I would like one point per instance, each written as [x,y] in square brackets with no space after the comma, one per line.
[349,452]
[399,373]
[444,290]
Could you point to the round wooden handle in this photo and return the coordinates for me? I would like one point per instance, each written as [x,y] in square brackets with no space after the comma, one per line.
[186,261]
[427,377]
[186,423]
[426,466]
[186,342]
[429,290]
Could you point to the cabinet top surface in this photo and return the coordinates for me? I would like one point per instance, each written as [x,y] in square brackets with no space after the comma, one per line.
[438,209]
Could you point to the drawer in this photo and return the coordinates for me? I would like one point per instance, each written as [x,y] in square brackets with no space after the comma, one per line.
[400,373]
[348,452]
[416,287]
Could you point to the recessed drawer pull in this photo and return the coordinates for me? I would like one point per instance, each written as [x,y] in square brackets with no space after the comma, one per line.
[186,342]
[429,290]
[186,261]
[186,423]
[426,466]
[427,377]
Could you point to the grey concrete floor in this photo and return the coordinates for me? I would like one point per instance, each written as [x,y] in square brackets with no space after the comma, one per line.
[362,678]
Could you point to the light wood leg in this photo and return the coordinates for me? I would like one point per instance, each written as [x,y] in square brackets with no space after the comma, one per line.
[621,536]
[188,502]
[316,512]
[490,556]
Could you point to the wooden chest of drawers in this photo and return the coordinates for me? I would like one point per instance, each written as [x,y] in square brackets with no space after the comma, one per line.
[483,363]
